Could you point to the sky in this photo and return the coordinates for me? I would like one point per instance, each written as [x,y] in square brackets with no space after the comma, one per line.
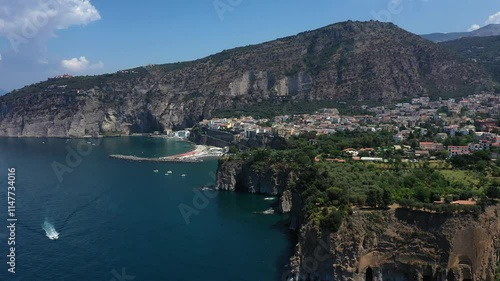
[45,38]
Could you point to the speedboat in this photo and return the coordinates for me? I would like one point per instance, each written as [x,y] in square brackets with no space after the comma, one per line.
[205,187]
[268,211]
[156,171]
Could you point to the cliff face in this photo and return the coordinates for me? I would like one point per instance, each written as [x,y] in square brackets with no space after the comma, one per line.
[400,245]
[369,61]
[241,176]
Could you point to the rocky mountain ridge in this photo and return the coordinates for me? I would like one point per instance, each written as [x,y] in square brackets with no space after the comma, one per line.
[483,50]
[489,30]
[349,61]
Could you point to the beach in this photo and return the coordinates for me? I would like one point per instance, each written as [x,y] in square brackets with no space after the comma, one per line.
[196,155]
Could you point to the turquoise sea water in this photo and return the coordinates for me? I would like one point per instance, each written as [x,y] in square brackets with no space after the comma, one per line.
[120,220]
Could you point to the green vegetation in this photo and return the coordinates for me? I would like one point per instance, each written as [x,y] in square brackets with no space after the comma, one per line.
[477,161]
[497,272]
[330,190]
[268,109]
[461,176]
[484,50]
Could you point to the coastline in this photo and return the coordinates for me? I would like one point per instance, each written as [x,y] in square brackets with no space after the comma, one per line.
[148,135]
[194,156]
[160,159]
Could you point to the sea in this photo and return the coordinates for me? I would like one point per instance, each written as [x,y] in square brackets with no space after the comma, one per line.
[76,214]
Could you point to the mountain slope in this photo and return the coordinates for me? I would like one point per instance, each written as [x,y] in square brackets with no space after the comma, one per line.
[489,30]
[3,92]
[484,50]
[362,61]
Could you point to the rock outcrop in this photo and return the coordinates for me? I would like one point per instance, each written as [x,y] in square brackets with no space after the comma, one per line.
[400,245]
[361,61]
[239,175]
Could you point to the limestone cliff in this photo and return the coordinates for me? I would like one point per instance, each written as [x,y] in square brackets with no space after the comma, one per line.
[361,61]
[400,245]
[239,175]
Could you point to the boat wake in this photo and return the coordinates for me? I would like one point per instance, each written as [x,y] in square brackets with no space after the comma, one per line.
[269,211]
[50,231]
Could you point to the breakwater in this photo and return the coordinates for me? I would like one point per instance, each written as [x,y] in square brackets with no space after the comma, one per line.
[160,159]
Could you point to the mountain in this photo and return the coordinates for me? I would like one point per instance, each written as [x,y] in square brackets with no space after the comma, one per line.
[489,30]
[349,61]
[3,92]
[484,50]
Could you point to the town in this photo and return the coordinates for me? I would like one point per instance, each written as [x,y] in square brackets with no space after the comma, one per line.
[420,128]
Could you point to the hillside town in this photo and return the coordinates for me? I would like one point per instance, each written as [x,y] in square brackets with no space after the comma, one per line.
[420,127]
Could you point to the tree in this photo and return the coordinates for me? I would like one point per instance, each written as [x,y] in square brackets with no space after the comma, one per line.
[375,197]
[422,194]
[336,195]
[333,220]
[233,149]
[465,194]
[386,198]
[493,192]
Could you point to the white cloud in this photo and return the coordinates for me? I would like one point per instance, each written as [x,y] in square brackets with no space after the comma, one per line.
[80,64]
[29,25]
[474,27]
[493,19]
[22,22]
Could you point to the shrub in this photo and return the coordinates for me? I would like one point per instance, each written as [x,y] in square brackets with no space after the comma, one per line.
[493,192]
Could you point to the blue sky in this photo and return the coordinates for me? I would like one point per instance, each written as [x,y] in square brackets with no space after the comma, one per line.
[97,36]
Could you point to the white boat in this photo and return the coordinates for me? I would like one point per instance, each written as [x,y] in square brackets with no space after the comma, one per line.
[205,188]
[156,171]
[268,211]
[183,175]
[269,198]
[169,172]
[50,231]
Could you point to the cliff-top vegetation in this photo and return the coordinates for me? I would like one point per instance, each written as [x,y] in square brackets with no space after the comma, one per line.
[331,190]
